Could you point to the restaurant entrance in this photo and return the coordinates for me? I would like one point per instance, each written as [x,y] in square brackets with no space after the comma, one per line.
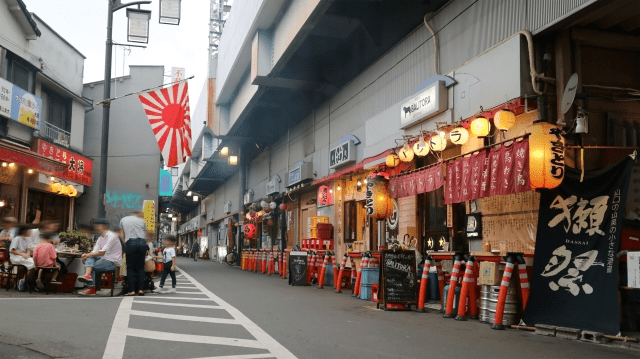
[43,206]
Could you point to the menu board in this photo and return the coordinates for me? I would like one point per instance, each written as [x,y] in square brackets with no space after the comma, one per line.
[298,268]
[399,283]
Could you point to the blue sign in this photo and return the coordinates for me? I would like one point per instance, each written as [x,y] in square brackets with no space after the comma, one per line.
[165,187]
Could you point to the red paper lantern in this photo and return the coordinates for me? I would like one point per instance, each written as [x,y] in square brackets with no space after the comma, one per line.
[250,231]
[378,203]
[283,207]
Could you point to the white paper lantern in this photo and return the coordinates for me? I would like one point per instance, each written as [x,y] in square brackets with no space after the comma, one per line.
[437,143]
[459,135]
[264,204]
[273,205]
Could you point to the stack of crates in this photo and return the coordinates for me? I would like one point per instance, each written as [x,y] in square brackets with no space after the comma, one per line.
[320,232]
[370,276]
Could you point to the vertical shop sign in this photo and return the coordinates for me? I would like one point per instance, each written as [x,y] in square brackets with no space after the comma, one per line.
[477,167]
[149,214]
[575,279]
[6,91]
[521,166]
[496,161]
[465,179]
[78,168]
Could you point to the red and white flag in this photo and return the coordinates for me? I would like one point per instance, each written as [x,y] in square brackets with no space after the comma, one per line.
[168,112]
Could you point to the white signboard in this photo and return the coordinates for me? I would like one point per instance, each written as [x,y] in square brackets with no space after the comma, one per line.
[342,154]
[177,74]
[633,269]
[428,103]
[6,90]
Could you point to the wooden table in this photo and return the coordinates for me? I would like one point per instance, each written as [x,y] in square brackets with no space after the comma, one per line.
[63,254]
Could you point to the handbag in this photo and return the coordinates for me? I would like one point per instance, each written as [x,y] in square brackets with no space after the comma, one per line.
[149,266]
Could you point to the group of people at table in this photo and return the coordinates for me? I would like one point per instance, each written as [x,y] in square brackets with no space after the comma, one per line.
[35,249]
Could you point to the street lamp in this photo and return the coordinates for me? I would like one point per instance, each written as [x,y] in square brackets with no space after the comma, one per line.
[170,12]
[233,160]
[138,27]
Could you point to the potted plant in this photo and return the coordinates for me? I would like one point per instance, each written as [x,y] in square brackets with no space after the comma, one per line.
[72,238]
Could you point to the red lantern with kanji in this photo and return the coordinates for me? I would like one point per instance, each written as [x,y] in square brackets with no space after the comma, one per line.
[378,203]
[546,156]
[283,207]
[250,231]
[325,196]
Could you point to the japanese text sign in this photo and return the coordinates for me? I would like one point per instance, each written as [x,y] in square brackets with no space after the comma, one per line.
[575,279]
[78,168]
[19,105]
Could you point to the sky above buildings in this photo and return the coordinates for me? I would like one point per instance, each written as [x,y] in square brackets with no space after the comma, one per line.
[83,24]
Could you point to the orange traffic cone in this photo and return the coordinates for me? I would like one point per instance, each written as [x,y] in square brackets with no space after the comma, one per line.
[283,272]
[502,297]
[341,273]
[310,267]
[423,285]
[524,281]
[452,288]
[334,267]
[363,264]
[467,282]
[323,270]
[270,263]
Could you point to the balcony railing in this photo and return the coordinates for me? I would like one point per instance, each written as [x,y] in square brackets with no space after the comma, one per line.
[56,134]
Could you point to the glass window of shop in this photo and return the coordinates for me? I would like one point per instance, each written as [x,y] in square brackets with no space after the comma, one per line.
[43,206]
[20,73]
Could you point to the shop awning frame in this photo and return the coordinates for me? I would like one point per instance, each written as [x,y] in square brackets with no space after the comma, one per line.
[25,157]
[354,168]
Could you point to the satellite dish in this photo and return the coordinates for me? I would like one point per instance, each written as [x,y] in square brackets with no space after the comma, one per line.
[569,93]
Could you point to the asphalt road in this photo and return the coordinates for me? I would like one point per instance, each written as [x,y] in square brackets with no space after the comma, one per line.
[220,311]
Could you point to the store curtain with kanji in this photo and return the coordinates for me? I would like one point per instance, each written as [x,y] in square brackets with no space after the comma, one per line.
[575,279]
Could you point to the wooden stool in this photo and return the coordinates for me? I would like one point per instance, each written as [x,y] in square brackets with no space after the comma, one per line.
[46,287]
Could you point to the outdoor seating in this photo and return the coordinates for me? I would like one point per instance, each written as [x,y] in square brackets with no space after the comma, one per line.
[45,281]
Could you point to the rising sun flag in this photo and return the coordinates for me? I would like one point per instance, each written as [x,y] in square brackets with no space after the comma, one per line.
[168,113]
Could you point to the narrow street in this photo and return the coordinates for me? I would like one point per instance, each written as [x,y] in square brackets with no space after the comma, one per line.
[222,312]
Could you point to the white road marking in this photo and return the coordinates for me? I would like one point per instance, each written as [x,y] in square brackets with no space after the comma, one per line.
[181,305]
[274,347]
[247,356]
[170,297]
[184,317]
[188,338]
[118,335]
[120,328]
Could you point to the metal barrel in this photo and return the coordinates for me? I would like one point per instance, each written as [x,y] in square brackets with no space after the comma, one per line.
[489,300]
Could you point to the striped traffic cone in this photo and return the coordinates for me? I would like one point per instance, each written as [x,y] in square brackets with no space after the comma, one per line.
[279,268]
[467,281]
[334,267]
[341,273]
[452,288]
[284,265]
[254,261]
[502,297]
[524,281]
[440,285]
[269,262]
[423,285]
[323,270]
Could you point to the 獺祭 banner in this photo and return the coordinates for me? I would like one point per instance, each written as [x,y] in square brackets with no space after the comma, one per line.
[575,279]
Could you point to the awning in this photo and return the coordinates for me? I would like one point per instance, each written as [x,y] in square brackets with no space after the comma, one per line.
[357,167]
[25,157]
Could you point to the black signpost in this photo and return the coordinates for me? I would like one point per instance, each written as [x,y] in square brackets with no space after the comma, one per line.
[398,278]
[298,268]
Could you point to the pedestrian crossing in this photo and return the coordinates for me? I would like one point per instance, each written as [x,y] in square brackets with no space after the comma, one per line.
[198,320]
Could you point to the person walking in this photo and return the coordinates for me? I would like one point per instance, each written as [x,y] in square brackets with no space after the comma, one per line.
[195,250]
[136,250]
[169,259]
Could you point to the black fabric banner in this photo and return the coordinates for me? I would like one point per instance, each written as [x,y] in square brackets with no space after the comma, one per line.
[575,279]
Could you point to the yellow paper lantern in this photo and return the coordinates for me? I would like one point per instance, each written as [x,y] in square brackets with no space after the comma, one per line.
[437,143]
[419,149]
[56,187]
[378,203]
[546,155]
[459,135]
[406,154]
[68,189]
[480,127]
[393,160]
[504,120]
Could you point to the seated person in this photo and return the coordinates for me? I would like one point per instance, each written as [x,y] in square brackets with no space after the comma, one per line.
[44,255]
[20,253]
[110,254]
[89,261]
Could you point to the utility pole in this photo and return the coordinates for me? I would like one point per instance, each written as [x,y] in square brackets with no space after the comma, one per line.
[113,6]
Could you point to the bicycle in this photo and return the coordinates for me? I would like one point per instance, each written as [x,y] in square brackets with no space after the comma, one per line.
[232,257]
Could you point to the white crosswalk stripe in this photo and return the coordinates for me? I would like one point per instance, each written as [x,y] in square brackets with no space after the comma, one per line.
[191,298]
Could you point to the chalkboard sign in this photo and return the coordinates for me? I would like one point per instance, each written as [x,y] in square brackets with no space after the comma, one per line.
[298,268]
[398,279]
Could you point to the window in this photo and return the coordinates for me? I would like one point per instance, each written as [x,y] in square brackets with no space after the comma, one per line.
[20,73]
[56,110]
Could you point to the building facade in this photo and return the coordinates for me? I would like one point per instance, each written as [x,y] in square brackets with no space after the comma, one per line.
[42,117]
[299,83]
[133,160]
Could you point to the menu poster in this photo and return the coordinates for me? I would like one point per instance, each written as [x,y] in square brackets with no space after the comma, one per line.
[298,268]
[399,279]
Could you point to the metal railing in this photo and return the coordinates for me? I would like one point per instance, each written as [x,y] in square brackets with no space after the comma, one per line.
[56,134]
